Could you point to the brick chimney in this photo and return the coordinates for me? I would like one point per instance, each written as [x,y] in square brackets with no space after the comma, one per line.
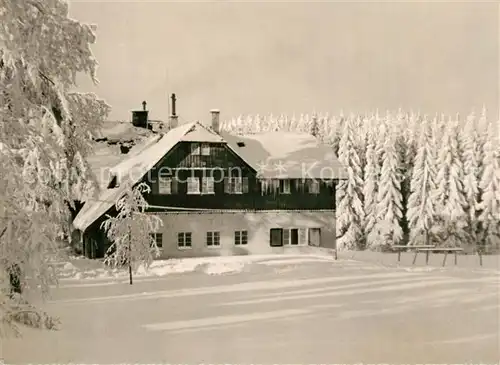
[215,119]
[140,117]
[174,119]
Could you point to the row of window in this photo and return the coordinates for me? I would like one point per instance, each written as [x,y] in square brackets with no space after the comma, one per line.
[233,185]
[278,236]
[185,239]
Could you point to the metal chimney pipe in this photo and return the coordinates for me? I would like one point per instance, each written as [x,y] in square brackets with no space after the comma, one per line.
[174,119]
[173,104]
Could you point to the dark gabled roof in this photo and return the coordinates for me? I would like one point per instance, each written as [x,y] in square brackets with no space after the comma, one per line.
[271,155]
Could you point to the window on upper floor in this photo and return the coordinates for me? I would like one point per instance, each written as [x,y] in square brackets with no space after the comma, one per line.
[313,186]
[236,185]
[193,185]
[208,185]
[165,185]
[285,187]
[205,149]
[195,148]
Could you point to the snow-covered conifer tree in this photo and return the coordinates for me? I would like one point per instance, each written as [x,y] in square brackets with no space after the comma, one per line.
[472,156]
[449,197]
[131,231]
[303,123]
[266,123]
[257,124]
[273,123]
[240,125]
[326,128]
[338,132]
[371,179]
[490,186]
[281,122]
[293,123]
[313,128]
[423,183]
[387,228]
[349,204]
[247,125]
[45,136]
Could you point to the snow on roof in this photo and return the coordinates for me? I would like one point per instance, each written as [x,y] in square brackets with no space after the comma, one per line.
[205,134]
[129,172]
[287,155]
[272,155]
[121,131]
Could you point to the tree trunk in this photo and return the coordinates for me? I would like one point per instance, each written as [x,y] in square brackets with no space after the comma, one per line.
[130,271]
[130,258]
[15,280]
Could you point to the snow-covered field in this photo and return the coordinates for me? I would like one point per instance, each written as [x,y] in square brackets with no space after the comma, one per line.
[275,309]
[82,268]
[77,269]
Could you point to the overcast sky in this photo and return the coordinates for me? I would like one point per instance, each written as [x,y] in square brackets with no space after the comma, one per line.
[273,57]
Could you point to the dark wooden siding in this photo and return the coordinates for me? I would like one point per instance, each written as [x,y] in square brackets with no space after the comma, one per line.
[223,161]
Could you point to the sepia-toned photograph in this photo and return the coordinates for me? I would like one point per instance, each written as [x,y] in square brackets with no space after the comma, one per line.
[249,182]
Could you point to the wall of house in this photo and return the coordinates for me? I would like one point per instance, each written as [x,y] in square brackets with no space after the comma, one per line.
[222,162]
[258,225]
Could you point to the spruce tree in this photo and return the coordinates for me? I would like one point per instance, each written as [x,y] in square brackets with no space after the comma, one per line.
[490,186]
[389,199]
[448,196]
[421,210]
[350,209]
[371,181]
[313,128]
[472,157]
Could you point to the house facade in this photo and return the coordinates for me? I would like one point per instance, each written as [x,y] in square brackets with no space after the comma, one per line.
[222,194]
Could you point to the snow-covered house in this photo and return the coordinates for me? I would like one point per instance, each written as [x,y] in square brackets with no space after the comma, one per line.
[222,194]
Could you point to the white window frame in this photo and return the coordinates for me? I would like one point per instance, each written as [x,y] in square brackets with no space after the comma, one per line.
[287,236]
[304,241]
[208,185]
[165,185]
[205,149]
[314,186]
[238,238]
[182,240]
[155,237]
[302,236]
[232,183]
[236,182]
[286,187]
[212,239]
[195,148]
[191,183]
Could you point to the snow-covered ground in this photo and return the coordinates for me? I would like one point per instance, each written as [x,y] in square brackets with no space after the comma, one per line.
[82,268]
[311,310]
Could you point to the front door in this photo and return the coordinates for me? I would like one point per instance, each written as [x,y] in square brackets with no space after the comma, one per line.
[276,237]
[314,237]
